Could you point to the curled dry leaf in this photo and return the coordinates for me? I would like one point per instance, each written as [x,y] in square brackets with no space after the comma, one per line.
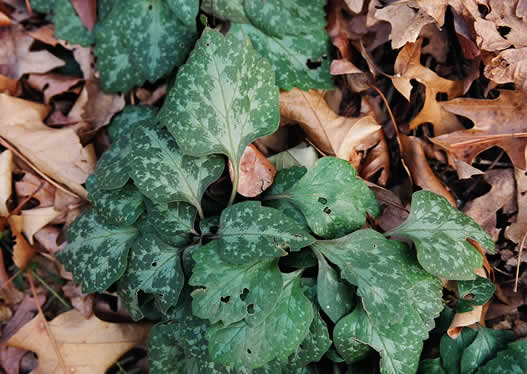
[31,183]
[87,346]
[348,138]
[483,209]
[500,122]
[36,219]
[509,66]
[24,312]
[48,238]
[516,230]
[52,84]
[9,85]
[23,252]
[6,170]
[256,172]
[56,152]
[10,359]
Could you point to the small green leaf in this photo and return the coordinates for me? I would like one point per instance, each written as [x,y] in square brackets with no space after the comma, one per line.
[452,349]
[171,219]
[511,361]
[484,348]
[224,98]
[250,232]
[96,254]
[480,291]
[332,198]
[164,174]
[440,232]
[121,206]
[335,297]
[124,123]
[347,332]
[231,292]
[143,40]
[277,336]
[154,267]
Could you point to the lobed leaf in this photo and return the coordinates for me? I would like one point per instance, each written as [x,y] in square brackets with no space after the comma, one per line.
[171,219]
[512,360]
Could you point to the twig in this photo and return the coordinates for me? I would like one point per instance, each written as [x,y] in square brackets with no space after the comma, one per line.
[50,289]
[8,282]
[15,211]
[519,262]
[28,6]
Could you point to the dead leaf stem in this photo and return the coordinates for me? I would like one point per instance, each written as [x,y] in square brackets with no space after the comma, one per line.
[519,262]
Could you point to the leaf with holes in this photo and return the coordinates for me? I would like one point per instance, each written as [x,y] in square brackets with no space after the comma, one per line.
[229,292]
[143,40]
[440,232]
[164,174]
[332,198]
[229,99]
[276,337]
[154,267]
[250,232]
[474,292]
[96,253]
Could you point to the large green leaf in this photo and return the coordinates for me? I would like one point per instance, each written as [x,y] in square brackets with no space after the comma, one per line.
[224,98]
[452,349]
[231,292]
[249,232]
[154,267]
[335,296]
[121,206]
[143,40]
[474,292]
[96,254]
[484,348]
[164,174]
[440,232]
[332,198]
[277,336]
[513,360]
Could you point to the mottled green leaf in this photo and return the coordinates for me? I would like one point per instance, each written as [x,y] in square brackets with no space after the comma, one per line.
[154,267]
[143,40]
[228,10]
[277,336]
[224,97]
[332,198]
[164,353]
[335,296]
[298,60]
[513,360]
[287,17]
[121,206]
[440,232]
[346,336]
[452,349]
[249,232]
[484,348]
[96,254]
[431,367]
[231,292]
[124,123]
[209,225]
[474,292]
[314,345]
[42,6]
[164,174]
[170,219]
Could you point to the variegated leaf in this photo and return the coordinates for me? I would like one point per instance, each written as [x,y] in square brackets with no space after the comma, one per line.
[276,337]
[250,232]
[440,232]
[143,40]
[121,206]
[230,293]
[96,254]
[170,219]
[224,97]
[228,10]
[164,174]
[332,198]
[511,360]
[124,123]
[154,267]
[474,292]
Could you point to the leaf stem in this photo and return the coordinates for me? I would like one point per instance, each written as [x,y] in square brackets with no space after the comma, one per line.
[50,289]
[235,182]
[200,213]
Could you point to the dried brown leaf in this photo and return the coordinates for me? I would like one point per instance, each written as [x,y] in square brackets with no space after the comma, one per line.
[517,229]
[82,302]
[6,170]
[31,183]
[24,312]
[509,66]
[52,84]
[23,252]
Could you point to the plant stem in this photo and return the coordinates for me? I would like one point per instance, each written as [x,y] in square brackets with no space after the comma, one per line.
[234,183]
[48,287]
[200,211]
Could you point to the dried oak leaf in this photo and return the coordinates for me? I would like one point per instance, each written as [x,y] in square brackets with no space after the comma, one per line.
[17,58]
[9,85]
[23,252]
[6,170]
[500,122]
[509,66]
[517,229]
[256,172]
[351,139]
[52,84]
[58,153]
[29,184]
[86,346]
[408,67]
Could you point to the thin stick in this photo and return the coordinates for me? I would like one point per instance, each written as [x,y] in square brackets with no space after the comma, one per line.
[8,282]
[24,202]
[28,6]
[51,336]
[519,261]
[50,289]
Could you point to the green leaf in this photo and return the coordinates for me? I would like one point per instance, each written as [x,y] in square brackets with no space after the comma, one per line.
[154,267]
[298,60]
[121,206]
[440,232]
[171,219]
[96,254]
[164,174]
[431,367]
[124,123]
[250,232]
[224,98]
[231,292]
[287,17]
[335,297]
[452,349]
[164,353]
[314,346]
[228,10]
[479,290]
[332,198]
[484,347]
[143,40]
[302,259]
[511,361]
[277,336]
[42,6]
